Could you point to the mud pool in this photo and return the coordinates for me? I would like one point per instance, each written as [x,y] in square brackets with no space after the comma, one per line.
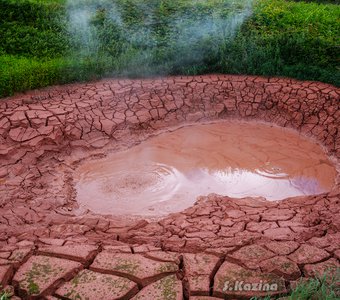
[168,172]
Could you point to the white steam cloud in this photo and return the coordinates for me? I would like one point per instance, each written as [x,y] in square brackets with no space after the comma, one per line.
[191,36]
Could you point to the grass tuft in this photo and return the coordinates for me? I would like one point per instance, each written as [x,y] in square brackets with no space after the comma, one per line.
[324,287]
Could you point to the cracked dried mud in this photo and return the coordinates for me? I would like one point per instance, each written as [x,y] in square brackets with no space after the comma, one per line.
[53,248]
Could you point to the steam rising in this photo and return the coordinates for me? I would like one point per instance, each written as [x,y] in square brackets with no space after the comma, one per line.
[151,37]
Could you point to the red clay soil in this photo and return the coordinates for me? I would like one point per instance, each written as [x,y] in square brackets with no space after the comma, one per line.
[48,246]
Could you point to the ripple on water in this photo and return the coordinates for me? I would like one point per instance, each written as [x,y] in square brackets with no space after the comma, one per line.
[168,172]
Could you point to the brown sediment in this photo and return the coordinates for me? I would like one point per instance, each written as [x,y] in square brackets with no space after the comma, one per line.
[46,135]
[168,172]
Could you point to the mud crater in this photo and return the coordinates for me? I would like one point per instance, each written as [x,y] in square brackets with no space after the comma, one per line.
[47,134]
[167,172]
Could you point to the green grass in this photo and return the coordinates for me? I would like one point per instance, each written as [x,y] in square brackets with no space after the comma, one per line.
[324,287]
[291,39]
[45,42]
[4,296]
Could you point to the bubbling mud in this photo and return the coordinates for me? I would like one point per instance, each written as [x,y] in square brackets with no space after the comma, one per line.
[166,173]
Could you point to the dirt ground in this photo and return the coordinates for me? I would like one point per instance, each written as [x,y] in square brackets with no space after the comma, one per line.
[50,246]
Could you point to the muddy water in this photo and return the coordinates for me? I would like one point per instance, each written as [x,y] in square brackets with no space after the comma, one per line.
[166,173]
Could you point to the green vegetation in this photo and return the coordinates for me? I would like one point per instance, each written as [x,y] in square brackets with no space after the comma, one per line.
[325,287]
[4,296]
[44,42]
[292,39]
